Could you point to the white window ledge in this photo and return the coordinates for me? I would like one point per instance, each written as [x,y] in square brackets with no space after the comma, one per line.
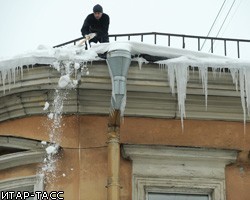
[163,169]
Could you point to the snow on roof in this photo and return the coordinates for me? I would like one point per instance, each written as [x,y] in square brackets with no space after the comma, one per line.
[177,63]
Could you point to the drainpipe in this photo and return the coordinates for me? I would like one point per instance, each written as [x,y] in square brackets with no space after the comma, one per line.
[118,63]
[113,142]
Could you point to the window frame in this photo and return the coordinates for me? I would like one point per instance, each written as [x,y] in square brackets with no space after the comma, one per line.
[159,168]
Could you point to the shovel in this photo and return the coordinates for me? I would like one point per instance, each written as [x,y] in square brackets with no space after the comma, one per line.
[91,35]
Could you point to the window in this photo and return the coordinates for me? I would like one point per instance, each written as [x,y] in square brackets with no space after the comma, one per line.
[177,173]
[15,152]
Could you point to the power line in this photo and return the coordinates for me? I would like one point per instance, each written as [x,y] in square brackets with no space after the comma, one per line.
[214,23]
[232,16]
[225,18]
[223,22]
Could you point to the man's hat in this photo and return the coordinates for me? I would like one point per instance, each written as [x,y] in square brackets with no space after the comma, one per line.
[97,8]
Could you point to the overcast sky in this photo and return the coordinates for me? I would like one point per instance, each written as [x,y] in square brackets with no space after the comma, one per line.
[24,24]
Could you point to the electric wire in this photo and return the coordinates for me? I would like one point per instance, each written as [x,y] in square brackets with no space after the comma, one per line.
[225,18]
[215,47]
[223,22]
[232,17]
[214,23]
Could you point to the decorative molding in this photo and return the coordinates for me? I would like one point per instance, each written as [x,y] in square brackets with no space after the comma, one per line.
[34,152]
[35,182]
[148,95]
[214,188]
[19,143]
[21,158]
[158,168]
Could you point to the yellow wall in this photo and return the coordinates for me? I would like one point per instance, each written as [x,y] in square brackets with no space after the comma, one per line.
[85,150]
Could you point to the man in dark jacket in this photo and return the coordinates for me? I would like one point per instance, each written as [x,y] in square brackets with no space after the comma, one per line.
[96,22]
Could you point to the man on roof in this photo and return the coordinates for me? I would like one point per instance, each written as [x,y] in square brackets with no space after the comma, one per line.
[96,25]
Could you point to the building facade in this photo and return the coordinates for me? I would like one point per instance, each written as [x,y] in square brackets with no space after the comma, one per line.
[206,158]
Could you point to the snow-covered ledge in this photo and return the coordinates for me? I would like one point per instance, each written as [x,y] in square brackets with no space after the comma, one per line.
[163,169]
[72,61]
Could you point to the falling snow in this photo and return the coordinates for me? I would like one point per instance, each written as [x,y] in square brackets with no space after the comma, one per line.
[46,106]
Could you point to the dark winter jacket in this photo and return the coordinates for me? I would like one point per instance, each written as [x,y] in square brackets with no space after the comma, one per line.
[92,25]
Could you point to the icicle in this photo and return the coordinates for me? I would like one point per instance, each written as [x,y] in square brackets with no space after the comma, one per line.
[3,79]
[140,61]
[203,76]
[21,68]
[247,88]
[235,76]
[181,72]
[14,75]
[214,71]
[171,78]
[161,66]
[242,92]
[9,77]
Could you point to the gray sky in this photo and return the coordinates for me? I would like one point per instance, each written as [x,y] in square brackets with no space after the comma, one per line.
[27,23]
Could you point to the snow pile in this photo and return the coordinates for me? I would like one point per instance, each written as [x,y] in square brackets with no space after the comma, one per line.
[60,59]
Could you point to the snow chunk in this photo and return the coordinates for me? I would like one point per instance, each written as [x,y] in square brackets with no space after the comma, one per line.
[50,115]
[77,66]
[52,149]
[46,106]
[75,82]
[44,143]
[66,82]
